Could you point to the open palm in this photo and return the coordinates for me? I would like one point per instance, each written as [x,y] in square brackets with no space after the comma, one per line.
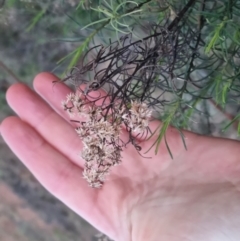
[195,196]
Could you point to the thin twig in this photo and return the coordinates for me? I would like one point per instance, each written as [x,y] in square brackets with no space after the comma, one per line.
[10,72]
[138,6]
[181,14]
[227,115]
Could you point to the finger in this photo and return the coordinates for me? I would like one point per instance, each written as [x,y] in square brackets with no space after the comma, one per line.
[55,93]
[52,92]
[54,171]
[52,127]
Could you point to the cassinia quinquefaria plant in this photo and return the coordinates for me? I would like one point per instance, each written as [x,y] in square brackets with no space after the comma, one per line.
[128,70]
[185,58]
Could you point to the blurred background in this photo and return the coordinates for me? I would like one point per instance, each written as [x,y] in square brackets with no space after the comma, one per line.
[34,35]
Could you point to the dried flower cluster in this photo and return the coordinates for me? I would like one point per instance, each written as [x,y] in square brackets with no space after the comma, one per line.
[137,119]
[102,145]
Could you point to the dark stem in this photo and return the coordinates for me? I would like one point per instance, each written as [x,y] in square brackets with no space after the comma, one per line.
[180,15]
[138,6]
[174,23]
[200,26]
[9,72]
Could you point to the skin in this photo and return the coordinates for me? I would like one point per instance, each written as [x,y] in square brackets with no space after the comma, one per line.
[195,196]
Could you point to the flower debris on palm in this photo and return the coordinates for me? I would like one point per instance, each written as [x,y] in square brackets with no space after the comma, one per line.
[102,145]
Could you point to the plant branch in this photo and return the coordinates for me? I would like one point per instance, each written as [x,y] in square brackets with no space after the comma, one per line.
[10,72]
[228,116]
[181,14]
[200,26]
[139,6]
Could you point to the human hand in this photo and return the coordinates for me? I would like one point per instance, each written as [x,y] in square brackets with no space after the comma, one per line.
[195,196]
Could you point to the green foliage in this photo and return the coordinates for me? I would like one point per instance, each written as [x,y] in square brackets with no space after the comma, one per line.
[115,15]
[167,120]
[217,37]
[236,118]
[76,53]
[35,20]
[222,89]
